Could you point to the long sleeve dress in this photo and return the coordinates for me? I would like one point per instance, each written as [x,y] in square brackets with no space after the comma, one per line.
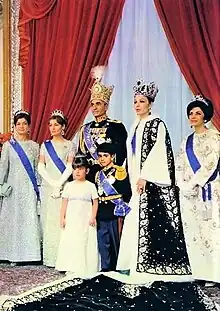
[50,214]
[201,218]
[19,223]
[152,243]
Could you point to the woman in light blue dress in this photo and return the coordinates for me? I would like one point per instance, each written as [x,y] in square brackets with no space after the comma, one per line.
[55,167]
[19,225]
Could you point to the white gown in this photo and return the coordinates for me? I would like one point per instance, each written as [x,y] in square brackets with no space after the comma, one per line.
[50,207]
[201,220]
[19,224]
[154,169]
[78,250]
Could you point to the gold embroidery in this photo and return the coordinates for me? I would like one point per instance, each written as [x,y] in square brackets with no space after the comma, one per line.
[110,197]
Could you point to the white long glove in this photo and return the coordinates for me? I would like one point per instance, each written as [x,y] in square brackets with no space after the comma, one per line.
[66,174]
[56,194]
[43,172]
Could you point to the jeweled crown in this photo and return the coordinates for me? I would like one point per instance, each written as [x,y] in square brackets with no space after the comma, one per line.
[100,91]
[149,89]
[58,113]
[200,98]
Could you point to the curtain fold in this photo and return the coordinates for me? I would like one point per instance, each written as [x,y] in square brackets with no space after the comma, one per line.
[64,45]
[29,10]
[37,8]
[193,31]
[141,50]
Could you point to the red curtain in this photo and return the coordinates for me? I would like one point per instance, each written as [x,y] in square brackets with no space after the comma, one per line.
[193,30]
[60,42]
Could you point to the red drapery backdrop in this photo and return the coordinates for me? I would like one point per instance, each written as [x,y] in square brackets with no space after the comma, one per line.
[193,30]
[60,41]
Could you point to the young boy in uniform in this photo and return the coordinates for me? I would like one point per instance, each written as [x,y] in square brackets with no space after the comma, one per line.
[114,193]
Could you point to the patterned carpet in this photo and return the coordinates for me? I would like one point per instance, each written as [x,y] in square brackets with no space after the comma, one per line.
[16,280]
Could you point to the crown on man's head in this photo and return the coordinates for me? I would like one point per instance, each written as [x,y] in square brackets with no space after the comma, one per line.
[200,98]
[149,89]
[99,91]
[58,113]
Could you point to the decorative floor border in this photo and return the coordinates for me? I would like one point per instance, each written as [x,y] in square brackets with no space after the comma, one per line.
[37,293]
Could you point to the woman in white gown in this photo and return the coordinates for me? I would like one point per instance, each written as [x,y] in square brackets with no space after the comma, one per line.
[19,225]
[55,167]
[152,243]
[197,171]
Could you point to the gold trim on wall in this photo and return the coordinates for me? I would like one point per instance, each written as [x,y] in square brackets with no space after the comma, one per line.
[6,66]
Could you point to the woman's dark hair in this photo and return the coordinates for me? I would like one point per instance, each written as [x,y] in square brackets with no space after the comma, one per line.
[150,100]
[22,115]
[60,120]
[206,107]
[80,161]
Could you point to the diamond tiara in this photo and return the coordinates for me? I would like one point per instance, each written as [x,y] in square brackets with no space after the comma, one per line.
[20,112]
[199,98]
[58,113]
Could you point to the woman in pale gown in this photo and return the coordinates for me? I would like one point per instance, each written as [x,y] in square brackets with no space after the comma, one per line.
[19,226]
[55,167]
[152,243]
[197,172]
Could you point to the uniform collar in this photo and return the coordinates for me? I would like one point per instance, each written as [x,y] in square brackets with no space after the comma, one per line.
[108,168]
[101,119]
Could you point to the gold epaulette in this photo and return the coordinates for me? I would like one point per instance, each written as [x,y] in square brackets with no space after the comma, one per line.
[114,121]
[120,173]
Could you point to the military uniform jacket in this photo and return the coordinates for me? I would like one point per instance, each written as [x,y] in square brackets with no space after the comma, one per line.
[101,132]
[118,178]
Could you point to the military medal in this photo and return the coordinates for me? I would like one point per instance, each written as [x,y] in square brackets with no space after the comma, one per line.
[100,191]
[100,140]
[111,180]
[92,149]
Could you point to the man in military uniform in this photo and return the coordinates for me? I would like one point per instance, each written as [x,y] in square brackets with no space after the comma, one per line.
[102,129]
[114,192]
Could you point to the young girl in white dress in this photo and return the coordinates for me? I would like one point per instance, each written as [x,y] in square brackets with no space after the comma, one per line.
[78,251]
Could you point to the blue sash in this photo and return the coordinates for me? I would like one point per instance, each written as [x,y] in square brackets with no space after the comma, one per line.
[133,141]
[121,208]
[195,165]
[54,156]
[90,144]
[27,165]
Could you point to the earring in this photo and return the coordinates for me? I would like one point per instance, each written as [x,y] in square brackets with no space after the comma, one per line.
[62,133]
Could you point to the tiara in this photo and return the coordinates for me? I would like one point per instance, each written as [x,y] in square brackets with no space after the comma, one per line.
[21,112]
[146,89]
[57,113]
[79,156]
[200,98]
